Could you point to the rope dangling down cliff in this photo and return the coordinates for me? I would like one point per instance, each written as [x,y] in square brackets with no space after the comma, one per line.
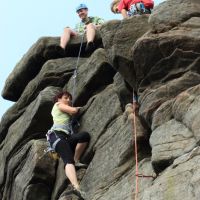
[131,109]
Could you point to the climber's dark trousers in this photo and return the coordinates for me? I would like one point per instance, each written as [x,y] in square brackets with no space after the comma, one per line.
[66,146]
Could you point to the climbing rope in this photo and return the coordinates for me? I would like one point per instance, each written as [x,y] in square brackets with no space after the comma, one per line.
[76,69]
[135,149]
[137,175]
[75,80]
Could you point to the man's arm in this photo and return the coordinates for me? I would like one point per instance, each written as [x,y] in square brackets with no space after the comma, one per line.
[124,13]
[122,8]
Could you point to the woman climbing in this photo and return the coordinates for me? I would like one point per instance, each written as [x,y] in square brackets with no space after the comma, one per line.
[67,144]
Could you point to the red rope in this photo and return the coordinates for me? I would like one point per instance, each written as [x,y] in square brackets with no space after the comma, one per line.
[136,155]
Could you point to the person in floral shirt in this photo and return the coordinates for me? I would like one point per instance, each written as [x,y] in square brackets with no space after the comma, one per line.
[87,24]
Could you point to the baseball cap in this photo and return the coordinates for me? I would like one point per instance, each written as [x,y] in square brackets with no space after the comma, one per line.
[81,6]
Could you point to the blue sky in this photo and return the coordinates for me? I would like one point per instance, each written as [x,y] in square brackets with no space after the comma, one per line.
[23,22]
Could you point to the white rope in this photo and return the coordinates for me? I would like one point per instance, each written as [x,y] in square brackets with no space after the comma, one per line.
[76,69]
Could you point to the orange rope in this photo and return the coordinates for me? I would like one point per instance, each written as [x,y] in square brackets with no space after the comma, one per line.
[136,155]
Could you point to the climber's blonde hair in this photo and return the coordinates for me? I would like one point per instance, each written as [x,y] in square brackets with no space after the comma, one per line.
[113,6]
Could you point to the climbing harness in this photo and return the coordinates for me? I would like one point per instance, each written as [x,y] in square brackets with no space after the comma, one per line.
[136,152]
[53,140]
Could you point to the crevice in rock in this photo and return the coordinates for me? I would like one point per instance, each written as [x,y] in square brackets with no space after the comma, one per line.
[13,172]
[161,165]
[96,84]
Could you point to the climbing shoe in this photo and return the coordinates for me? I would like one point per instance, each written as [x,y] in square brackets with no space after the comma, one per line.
[80,165]
[79,193]
[90,47]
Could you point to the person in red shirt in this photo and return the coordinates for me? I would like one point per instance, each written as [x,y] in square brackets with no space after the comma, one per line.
[132,7]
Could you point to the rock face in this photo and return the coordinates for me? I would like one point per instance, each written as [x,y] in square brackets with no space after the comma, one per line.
[118,43]
[158,57]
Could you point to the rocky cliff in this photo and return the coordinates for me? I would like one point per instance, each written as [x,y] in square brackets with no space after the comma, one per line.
[156,56]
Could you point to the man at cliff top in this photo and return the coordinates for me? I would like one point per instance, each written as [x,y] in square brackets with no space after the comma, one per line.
[88,24]
[132,7]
